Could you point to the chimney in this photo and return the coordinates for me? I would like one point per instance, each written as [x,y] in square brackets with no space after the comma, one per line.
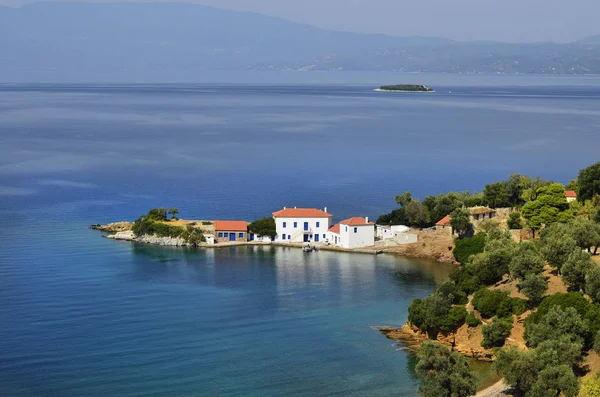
[295,207]
[325,210]
[284,207]
[367,220]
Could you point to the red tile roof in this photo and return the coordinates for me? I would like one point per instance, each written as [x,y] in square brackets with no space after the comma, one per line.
[571,193]
[356,221]
[301,213]
[335,228]
[444,221]
[231,226]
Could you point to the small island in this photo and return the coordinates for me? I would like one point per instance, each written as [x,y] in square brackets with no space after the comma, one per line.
[405,88]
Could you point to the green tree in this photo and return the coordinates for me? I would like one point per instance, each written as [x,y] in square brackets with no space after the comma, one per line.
[592,284]
[575,269]
[468,246]
[588,182]
[585,233]
[173,212]
[549,207]
[518,369]
[527,260]
[495,195]
[534,286]
[558,322]
[555,352]
[416,214]
[555,382]
[461,222]
[495,334]
[514,221]
[590,387]
[444,373]
[556,244]
[403,199]
[264,227]
[157,214]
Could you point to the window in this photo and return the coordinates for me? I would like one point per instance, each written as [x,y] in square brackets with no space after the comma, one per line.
[318,224]
[284,225]
[355,230]
[220,234]
[324,236]
[226,234]
[241,235]
[283,237]
[346,228]
[295,225]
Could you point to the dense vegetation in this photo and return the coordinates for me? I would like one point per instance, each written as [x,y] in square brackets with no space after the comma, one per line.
[155,223]
[513,192]
[264,227]
[562,327]
[444,373]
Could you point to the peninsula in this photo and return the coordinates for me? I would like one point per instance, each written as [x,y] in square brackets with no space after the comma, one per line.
[405,88]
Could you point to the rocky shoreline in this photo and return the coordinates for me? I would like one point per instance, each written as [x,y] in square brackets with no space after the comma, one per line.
[466,340]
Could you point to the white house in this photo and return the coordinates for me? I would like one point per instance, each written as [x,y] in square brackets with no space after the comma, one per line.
[297,225]
[352,233]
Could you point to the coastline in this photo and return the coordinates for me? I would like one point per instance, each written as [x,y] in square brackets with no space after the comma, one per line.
[430,246]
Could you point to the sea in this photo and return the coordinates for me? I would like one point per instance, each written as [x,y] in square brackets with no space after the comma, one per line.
[81,315]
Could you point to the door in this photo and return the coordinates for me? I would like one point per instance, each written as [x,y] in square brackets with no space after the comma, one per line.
[316,238]
[231,236]
[306,238]
[306,226]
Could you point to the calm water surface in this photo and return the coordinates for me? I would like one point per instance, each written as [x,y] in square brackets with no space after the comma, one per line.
[86,316]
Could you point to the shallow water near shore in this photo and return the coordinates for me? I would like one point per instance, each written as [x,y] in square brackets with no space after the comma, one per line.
[83,315]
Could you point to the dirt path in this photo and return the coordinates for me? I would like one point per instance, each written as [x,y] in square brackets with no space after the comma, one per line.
[499,389]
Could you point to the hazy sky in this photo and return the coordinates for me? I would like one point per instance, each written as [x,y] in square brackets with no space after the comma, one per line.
[504,20]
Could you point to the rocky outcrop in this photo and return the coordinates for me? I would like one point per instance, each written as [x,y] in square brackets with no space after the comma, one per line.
[113,227]
[162,241]
[466,340]
[146,239]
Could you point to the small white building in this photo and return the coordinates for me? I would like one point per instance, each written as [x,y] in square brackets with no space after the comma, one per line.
[352,233]
[209,238]
[385,232]
[297,225]
[571,196]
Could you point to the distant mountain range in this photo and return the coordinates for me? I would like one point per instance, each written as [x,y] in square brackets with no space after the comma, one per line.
[109,38]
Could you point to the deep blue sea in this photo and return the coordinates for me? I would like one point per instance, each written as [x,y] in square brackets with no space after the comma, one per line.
[81,315]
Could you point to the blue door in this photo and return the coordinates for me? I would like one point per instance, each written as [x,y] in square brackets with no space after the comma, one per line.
[306,226]
[306,238]
[316,238]
[231,236]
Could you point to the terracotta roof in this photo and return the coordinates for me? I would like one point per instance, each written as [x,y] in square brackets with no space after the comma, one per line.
[301,213]
[356,221]
[335,228]
[481,210]
[571,193]
[444,221]
[231,226]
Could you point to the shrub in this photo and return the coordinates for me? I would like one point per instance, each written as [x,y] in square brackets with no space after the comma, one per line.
[436,314]
[469,246]
[534,287]
[556,324]
[471,320]
[454,294]
[590,386]
[495,334]
[206,223]
[527,260]
[492,303]
[514,221]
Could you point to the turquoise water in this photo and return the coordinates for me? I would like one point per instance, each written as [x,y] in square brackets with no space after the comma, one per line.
[82,315]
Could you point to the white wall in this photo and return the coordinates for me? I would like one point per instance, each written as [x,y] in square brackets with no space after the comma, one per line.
[364,236]
[333,238]
[385,232]
[297,233]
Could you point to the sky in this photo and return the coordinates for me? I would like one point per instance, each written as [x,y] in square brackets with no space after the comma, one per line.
[500,20]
